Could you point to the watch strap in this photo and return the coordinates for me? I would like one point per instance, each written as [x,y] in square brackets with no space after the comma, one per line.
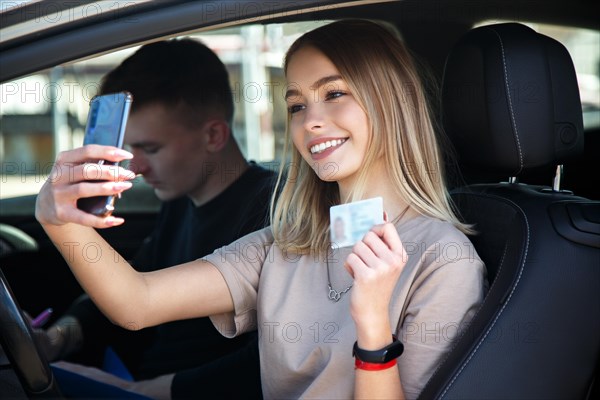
[381,356]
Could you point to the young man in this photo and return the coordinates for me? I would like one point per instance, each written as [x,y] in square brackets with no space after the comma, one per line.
[180,134]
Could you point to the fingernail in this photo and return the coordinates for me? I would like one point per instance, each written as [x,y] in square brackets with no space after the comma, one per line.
[123,153]
[122,185]
[113,221]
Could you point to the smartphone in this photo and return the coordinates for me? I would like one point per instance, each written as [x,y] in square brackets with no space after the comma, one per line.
[107,119]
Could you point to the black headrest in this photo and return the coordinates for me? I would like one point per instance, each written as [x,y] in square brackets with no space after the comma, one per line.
[510,100]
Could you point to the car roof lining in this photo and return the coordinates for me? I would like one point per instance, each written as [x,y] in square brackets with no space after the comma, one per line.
[33,53]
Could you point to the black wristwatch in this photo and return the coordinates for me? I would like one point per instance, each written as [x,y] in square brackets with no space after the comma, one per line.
[381,356]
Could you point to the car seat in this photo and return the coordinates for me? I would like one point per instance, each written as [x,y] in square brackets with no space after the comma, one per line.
[510,105]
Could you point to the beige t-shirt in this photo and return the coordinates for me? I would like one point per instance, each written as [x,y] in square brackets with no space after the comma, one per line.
[305,339]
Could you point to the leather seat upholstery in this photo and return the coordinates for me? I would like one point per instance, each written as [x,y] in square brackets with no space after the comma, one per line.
[510,105]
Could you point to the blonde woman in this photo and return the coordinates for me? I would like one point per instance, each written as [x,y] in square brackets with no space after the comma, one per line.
[368,321]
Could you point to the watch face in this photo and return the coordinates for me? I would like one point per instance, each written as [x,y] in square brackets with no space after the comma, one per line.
[394,350]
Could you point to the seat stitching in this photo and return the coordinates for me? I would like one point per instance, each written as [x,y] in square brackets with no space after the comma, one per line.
[494,284]
[510,103]
[503,307]
[468,359]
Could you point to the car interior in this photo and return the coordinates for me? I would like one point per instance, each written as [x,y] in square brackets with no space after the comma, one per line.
[535,233]
[523,170]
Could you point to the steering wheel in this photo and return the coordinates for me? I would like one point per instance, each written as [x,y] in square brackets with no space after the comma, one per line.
[14,240]
[16,338]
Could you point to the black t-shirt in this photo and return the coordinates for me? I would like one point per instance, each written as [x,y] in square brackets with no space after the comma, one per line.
[183,233]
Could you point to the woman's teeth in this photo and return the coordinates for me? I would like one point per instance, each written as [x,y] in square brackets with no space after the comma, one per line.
[319,148]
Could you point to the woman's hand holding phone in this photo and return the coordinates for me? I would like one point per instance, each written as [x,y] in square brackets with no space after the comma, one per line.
[84,182]
[76,174]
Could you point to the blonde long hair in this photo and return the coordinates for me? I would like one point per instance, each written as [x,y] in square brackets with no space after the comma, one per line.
[382,76]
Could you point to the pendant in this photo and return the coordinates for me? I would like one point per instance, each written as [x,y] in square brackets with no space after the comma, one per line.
[334,295]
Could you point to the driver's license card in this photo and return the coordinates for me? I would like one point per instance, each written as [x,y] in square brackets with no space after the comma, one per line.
[351,221]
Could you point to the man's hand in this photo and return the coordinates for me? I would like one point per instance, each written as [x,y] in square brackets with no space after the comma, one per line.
[59,340]
[95,374]
[158,388]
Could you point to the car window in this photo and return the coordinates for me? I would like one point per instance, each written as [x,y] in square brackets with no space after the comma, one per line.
[45,113]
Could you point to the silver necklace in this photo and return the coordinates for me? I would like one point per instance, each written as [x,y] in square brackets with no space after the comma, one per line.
[333,295]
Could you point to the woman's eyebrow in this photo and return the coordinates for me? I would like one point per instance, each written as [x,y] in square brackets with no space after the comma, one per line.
[318,83]
[325,80]
[292,93]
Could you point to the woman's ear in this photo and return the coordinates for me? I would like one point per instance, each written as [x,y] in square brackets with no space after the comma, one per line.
[218,133]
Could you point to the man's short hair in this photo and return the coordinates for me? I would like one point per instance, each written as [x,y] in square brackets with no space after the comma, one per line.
[182,74]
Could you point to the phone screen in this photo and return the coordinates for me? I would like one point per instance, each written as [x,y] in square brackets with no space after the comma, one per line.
[107,120]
